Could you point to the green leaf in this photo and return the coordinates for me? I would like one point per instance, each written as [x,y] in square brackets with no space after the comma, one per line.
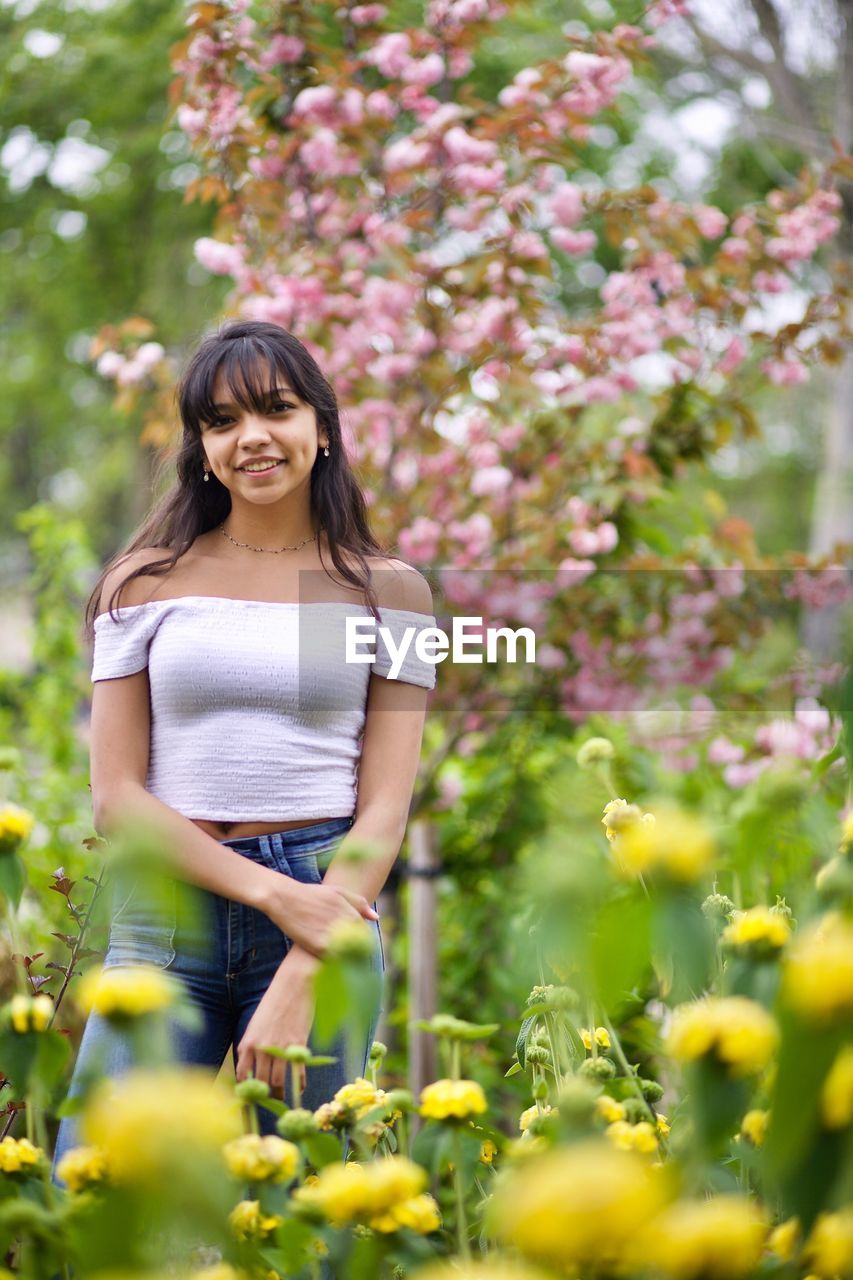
[322,1149]
[13,877]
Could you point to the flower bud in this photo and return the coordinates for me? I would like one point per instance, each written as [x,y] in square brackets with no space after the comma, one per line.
[717,907]
[540,1090]
[377,1052]
[597,1069]
[296,1124]
[595,751]
[252,1090]
[652,1091]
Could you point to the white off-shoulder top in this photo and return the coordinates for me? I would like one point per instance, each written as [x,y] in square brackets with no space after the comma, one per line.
[256,714]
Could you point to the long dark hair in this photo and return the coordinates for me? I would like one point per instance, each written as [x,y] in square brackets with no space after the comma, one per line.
[192,506]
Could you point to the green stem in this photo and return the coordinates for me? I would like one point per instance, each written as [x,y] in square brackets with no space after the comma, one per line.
[252,1124]
[296,1082]
[552,1045]
[455,1060]
[619,1055]
[461,1218]
[590,1017]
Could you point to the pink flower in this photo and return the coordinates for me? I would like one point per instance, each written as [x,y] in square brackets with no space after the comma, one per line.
[566,204]
[787,372]
[379,103]
[190,120]
[572,241]
[571,573]
[363,15]
[390,54]
[710,221]
[608,537]
[735,248]
[282,48]
[219,258]
[462,147]
[405,154]
[490,480]
[109,364]
[733,355]
[473,178]
[584,542]
[318,103]
[320,153]
[420,541]
[722,751]
[424,71]
[740,775]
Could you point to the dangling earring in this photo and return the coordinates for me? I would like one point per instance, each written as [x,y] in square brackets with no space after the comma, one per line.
[206,474]
[326,451]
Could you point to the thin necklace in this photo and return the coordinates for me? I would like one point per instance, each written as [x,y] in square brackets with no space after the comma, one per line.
[274,551]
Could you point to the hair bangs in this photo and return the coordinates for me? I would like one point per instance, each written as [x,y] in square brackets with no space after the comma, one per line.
[250,367]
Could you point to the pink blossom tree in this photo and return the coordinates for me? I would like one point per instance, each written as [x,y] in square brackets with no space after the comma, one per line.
[426,245]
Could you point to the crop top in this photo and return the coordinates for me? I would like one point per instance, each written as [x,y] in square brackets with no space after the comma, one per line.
[255,713]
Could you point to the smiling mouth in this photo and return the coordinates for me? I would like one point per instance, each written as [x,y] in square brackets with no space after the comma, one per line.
[261,471]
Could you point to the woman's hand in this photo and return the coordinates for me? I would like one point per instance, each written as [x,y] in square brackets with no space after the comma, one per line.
[283,1017]
[308,913]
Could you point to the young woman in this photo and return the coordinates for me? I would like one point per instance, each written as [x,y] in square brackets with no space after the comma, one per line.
[228,717]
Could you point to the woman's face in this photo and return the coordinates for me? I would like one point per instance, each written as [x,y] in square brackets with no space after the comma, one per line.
[238,442]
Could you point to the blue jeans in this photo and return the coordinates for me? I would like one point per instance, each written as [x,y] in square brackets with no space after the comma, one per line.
[225,954]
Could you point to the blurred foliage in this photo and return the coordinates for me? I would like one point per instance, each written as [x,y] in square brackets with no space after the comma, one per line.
[92,228]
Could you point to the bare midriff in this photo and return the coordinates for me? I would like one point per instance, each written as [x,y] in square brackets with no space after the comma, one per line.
[234,830]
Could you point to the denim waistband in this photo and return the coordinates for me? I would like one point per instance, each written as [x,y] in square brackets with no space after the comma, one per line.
[295,839]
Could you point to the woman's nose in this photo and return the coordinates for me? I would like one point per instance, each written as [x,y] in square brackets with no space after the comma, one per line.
[254,427]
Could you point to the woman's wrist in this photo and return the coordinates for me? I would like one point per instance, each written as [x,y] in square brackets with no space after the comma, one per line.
[301,961]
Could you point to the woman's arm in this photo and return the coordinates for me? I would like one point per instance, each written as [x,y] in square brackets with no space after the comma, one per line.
[391,747]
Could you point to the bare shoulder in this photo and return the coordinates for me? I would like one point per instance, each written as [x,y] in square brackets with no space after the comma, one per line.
[141,588]
[399,586]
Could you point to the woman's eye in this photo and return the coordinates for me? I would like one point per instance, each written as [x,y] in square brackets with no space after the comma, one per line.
[280,404]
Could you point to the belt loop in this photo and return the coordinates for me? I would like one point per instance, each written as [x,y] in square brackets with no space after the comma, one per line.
[265,847]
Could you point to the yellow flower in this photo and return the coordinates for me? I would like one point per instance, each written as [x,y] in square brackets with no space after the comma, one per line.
[818,974]
[552,1208]
[30,1013]
[492,1268]
[836,1099]
[738,1032]
[488,1151]
[662,1125]
[253,1158]
[715,1239]
[753,1127]
[675,844]
[607,1108]
[350,1103]
[419,1214]
[360,1096]
[121,992]
[152,1125]
[602,1038]
[366,1193]
[82,1167]
[456,1098]
[759,929]
[784,1240]
[618,815]
[15,825]
[249,1223]
[527,1117]
[633,1137]
[18,1155]
[828,1251]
